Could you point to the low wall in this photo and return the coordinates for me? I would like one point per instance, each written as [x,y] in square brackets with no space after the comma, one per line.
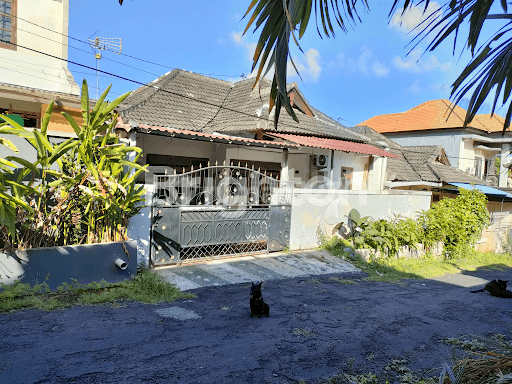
[404,252]
[316,211]
[495,238]
[85,263]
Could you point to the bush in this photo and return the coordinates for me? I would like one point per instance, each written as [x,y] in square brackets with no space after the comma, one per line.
[458,223]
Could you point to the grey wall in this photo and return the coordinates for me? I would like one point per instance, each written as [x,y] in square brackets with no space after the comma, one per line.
[316,210]
[86,263]
[450,141]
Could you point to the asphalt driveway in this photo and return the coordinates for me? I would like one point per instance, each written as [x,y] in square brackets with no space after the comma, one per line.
[318,326]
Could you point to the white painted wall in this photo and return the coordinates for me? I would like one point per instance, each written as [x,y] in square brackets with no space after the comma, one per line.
[350,160]
[25,68]
[316,210]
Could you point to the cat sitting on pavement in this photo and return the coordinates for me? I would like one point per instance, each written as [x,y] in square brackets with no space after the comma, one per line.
[496,288]
[258,306]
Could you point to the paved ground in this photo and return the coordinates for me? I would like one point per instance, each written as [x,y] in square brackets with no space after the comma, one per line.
[318,326]
[264,267]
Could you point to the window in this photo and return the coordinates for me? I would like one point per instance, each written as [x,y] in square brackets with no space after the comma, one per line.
[478,166]
[30,119]
[8,24]
[346,178]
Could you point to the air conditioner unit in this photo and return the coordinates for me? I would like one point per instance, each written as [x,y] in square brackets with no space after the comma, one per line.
[321,160]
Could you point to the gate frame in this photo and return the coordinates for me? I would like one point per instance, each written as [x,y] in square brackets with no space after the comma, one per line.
[204,193]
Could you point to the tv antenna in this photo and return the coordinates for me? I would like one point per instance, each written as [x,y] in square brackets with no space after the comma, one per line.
[112,44]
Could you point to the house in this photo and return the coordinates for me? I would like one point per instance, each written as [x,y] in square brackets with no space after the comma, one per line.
[427,168]
[224,181]
[218,121]
[472,149]
[29,81]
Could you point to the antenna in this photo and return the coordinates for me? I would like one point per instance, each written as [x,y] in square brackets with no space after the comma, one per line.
[112,44]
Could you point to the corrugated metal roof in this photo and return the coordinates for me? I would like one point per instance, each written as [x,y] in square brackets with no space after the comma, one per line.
[212,137]
[484,188]
[338,145]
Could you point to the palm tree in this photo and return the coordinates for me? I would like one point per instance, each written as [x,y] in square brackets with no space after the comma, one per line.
[489,68]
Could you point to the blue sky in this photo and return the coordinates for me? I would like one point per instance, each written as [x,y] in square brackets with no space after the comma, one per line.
[355,76]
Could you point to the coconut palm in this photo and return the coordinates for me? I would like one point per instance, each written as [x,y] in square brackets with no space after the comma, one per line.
[490,67]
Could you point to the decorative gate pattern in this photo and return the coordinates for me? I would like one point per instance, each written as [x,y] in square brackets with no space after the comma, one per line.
[219,211]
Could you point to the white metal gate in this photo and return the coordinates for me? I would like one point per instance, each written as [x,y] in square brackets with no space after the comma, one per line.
[219,211]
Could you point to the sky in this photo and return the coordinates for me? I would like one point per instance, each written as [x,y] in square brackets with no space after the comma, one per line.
[353,77]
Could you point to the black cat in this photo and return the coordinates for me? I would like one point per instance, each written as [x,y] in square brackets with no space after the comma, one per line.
[496,288]
[258,306]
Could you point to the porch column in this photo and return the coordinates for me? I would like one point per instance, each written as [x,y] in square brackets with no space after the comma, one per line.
[505,159]
[285,176]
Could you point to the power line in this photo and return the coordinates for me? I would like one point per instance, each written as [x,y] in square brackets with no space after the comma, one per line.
[83,50]
[122,54]
[193,99]
[153,87]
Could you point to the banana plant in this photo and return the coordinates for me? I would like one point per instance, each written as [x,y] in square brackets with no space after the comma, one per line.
[15,190]
[111,195]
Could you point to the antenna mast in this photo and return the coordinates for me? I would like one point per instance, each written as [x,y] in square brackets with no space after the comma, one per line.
[112,44]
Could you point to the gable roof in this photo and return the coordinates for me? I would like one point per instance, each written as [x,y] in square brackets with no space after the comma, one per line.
[433,114]
[185,100]
[423,163]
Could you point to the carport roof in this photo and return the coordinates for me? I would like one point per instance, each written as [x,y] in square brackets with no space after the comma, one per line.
[336,144]
[484,188]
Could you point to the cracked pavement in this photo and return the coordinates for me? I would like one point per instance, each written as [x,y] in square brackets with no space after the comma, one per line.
[315,325]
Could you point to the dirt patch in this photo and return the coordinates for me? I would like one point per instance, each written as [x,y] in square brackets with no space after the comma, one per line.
[316,330]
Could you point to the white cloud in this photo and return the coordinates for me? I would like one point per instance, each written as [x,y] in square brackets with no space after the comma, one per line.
[308,66]
[365,63]
[415,88]
[342,63]
[240,40]
[414,63]
[379,69]
[414,16]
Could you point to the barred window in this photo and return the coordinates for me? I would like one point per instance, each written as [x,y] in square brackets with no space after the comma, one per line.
[8,24]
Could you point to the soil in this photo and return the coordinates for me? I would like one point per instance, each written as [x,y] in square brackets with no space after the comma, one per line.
[318,327]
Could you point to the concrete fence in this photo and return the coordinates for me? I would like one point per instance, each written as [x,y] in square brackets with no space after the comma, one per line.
[315,212]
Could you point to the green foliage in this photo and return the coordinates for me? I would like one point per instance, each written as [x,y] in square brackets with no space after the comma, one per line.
[79,191]
[387,236]
[146,287]
[456,222]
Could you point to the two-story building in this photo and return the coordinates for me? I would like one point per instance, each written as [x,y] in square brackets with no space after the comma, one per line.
[33,66]
[473,149]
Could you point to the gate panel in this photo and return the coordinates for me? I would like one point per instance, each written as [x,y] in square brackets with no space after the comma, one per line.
[219,211]
[279,230]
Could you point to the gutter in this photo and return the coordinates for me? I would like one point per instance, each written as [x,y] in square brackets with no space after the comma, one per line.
[486,139]
[394,184]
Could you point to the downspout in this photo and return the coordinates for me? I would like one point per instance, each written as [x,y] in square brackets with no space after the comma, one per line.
[331,182]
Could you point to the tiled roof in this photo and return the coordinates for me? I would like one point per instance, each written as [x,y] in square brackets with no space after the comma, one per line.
[186,100]
[211,137]
[338,145]
[417,163]
[433,114]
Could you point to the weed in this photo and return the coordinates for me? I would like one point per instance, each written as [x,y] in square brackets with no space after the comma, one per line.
[342,281]
[146,287]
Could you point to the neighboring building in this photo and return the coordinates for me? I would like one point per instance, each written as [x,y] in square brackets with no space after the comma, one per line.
[212,120]
[426,168]
[29,81]
[433,123]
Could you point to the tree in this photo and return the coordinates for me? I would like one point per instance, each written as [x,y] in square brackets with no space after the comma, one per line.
[490,67]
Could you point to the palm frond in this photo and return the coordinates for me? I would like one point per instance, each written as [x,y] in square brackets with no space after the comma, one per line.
[279,20]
